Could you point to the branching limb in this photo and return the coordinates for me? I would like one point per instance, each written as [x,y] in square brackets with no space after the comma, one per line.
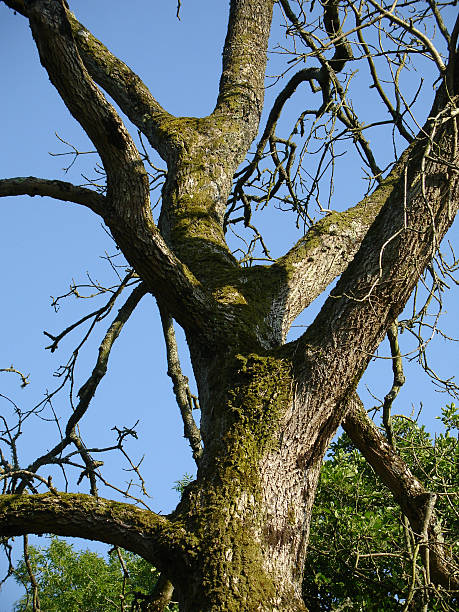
[407,490]
[157,539]
[24,377]
[325,251]
[116,78]
[409,27]
[123,85]
[60,190]
[398,381]
[128,213]
[185,400]
[87,391]
[59,55]
[343,50]
[97,315]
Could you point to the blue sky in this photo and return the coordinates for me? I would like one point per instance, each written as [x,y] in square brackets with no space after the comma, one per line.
[46,244]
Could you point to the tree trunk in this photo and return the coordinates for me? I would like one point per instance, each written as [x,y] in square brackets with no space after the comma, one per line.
[250,507]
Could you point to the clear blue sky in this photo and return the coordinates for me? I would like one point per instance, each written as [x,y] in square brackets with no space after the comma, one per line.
[45,244]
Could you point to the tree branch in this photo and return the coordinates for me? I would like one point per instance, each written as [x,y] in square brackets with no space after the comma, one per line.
[407,490]
[398,246]
[241,89]
[409,27]
[59,55]
[398,381]
[323,254]
[124,86]
[128,213]
[117,79]
[181,388]
[156,538]
[59,190]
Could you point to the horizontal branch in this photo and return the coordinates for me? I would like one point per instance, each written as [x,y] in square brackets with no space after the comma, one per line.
[407,490]
[59,190]
[155,538]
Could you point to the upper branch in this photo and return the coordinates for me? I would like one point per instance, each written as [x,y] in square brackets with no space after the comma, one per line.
[244,62]
[123,85]
[128,212]
[117,79]
[60,190]
[400,243]
[155,538]
[409,27]
[59,55]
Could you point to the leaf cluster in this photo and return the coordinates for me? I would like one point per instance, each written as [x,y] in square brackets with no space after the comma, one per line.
[84,581]
[361,548]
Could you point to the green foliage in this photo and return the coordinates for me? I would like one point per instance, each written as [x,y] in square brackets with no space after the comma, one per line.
[180,485]
[83,581]
[360,551]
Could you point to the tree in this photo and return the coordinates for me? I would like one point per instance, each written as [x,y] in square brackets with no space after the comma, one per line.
[269,408]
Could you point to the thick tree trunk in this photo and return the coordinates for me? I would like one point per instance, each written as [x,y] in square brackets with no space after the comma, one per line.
[250,507]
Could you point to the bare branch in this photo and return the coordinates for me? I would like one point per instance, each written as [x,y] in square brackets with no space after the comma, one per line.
[97,315]
[117,79]
[409,27]
[60,190]
[87,391]
[324,253]
[181,388]
[24,377]
[129,214]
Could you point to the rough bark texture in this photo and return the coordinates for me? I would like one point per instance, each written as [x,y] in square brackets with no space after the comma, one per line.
[237,540]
